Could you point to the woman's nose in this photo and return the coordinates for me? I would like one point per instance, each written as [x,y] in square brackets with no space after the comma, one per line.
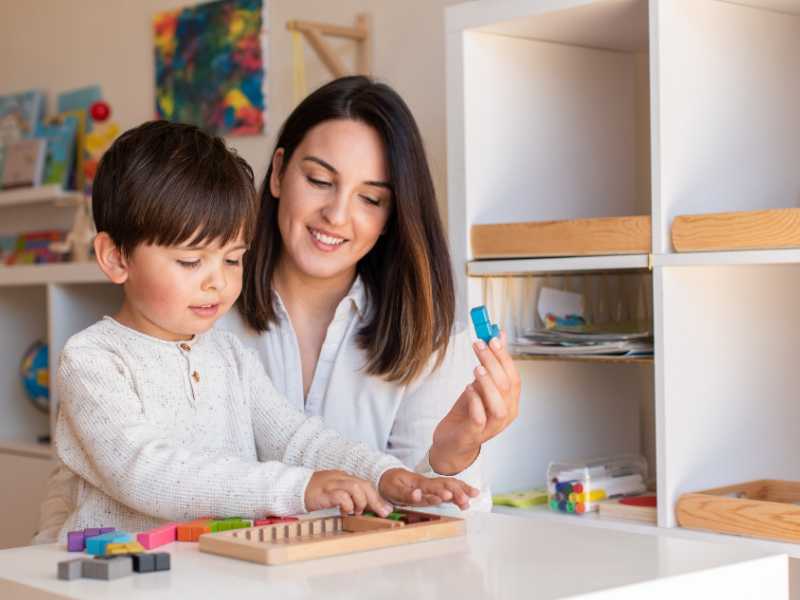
[336,211]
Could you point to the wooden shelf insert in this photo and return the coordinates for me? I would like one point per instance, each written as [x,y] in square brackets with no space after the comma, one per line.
[587,358]
[578,237]
[746,230]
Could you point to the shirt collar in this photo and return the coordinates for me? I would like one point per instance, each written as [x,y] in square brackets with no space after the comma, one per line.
[357,295]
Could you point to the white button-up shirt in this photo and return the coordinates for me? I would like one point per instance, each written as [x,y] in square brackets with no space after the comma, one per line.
[391,417]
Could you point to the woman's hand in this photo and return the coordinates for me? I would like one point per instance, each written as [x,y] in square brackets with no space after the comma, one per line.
[401,486]
[329,489]
[485,408]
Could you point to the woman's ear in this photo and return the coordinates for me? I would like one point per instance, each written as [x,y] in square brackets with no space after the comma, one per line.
[275,177]
[110,258]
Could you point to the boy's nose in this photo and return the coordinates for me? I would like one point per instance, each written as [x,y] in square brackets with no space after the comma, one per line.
[216,280]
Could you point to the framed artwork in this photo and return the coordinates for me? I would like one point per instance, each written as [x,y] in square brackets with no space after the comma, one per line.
[210,67]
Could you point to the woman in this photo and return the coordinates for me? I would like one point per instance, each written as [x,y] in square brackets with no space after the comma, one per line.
[348,293]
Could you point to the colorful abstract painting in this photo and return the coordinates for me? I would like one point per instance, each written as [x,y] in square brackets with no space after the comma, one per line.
[209,66]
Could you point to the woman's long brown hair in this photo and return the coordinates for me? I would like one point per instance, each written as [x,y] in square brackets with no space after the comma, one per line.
[407,274]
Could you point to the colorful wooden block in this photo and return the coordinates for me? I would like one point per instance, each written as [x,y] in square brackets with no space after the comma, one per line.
[76,541]
[97,544]
[165,534]
[123,548]
[163,562]
[91,532]
[107,568]
[144,563]
[191,531]
[70,569]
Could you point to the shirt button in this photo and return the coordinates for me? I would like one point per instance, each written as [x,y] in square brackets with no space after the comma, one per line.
[196,376]
[185,347]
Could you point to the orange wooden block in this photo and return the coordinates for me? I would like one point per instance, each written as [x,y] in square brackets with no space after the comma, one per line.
[191,531]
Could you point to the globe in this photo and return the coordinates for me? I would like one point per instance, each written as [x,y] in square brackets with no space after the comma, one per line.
[36,376]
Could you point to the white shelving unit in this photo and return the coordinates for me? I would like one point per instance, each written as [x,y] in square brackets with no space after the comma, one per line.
[567,109]
[37,302]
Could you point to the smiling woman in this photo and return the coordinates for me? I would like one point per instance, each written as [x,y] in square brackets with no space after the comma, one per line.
[348,292]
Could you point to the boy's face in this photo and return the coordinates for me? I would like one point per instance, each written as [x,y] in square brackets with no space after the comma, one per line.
[175,292]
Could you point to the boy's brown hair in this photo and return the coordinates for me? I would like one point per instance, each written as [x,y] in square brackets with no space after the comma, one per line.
[167,184]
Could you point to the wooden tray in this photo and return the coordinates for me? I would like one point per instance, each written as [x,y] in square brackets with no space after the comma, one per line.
[766,509]
[747,230]
[579,237]
[328,536]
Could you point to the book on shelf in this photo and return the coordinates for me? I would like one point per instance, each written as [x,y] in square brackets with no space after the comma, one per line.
[24,163]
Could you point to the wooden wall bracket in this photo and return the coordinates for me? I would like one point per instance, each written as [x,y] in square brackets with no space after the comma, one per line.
[360,33]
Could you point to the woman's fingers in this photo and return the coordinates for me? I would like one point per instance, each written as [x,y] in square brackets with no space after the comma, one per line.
[493,401]
[488,356]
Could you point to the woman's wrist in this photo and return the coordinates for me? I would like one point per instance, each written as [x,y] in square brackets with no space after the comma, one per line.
[451,462]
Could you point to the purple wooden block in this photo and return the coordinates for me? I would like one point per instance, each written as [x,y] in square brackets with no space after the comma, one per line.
[87,533]
[75,541]
[106,530]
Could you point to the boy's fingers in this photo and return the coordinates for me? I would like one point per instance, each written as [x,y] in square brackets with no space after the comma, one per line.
[342,499]
[358,496]
[376,502]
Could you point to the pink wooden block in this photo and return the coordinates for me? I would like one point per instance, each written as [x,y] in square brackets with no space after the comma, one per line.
[165,534]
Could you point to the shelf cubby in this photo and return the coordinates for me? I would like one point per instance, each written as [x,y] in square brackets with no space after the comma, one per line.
[725,109]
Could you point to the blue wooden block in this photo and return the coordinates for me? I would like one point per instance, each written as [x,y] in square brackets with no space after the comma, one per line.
[97,544]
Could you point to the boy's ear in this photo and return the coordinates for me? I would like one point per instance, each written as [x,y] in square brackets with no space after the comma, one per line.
[275,177]
[110,258]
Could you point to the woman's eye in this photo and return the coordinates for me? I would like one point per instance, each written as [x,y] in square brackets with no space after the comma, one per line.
[319,182]
[233,262]
[189,264]
[373,201]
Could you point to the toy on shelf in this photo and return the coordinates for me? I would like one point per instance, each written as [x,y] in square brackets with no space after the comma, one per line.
[577,487]
[33,248]
[328,536]
[78,242]
[524,499]
[35,375]
[633,508]
[484,328]
[76,540]
[97,141]
[159,536]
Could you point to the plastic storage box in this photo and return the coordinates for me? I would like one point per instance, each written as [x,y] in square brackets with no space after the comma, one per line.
[577,486]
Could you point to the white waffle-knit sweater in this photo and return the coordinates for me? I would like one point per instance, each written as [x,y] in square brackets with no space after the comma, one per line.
[150,430]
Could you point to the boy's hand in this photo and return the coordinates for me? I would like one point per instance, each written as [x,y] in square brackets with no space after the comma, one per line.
[329,489]
[401,486]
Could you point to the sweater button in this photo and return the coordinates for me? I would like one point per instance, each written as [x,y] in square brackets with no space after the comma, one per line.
[185,347]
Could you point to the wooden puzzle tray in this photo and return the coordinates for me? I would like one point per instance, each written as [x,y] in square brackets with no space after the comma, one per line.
[767,509]
[328,536]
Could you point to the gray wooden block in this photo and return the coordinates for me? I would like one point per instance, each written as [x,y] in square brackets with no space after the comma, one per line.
[107,568]
[162,561]
[70,569]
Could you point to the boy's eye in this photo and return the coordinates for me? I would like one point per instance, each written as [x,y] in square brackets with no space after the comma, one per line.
[189,264]
[321,183]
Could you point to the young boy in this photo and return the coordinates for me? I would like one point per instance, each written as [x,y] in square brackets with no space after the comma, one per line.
[164,418]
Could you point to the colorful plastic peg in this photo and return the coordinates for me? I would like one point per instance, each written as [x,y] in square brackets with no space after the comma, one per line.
[484,328]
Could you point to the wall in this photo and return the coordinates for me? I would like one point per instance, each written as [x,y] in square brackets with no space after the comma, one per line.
[56,45]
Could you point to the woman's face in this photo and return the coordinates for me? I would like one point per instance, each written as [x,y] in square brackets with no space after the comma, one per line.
[335,199]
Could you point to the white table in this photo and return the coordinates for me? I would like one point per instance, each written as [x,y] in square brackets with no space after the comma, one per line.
[501,557]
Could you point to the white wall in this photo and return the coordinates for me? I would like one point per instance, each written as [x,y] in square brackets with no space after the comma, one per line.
[57,45]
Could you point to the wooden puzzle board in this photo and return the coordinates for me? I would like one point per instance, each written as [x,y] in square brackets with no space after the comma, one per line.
[327,536]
